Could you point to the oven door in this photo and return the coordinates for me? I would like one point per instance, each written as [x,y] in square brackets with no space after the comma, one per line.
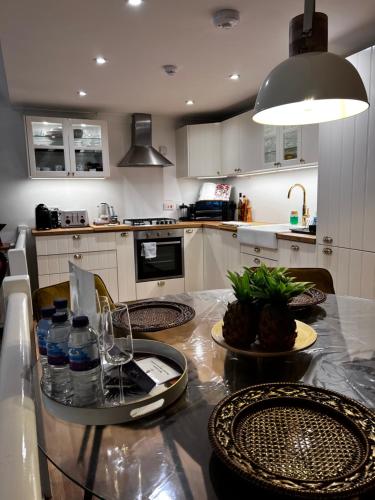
[168,263]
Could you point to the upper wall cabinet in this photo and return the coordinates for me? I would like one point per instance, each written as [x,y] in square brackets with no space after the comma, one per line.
[290,146]
[64,147]
[241,144]
[198,150]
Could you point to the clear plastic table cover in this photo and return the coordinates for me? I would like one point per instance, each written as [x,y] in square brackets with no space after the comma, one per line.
[167,456]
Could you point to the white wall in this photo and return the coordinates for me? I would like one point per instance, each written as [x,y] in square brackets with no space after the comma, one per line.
[268,193]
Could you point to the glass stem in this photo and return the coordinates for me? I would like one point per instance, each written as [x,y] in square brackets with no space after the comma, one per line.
[121,384]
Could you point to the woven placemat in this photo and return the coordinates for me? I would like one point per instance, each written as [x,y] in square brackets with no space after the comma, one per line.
[153,316]
[309,298]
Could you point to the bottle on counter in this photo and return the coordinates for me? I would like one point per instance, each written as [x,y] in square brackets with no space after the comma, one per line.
[61,306]
[58,359]
[84,362]
[245,204]
[42,328]
[239,207]
[249,213]
[293,217]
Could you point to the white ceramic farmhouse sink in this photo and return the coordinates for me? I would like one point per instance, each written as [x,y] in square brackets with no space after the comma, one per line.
[261,236]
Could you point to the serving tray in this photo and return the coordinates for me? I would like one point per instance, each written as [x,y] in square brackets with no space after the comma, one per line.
[306,336]
[136,405]
[309,298]
[296,439]
[155,315]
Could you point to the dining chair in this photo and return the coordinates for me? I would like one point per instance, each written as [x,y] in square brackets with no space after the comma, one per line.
[43,297]
[321,277]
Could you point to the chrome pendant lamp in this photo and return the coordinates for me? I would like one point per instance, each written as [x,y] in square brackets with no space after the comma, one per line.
[313,85]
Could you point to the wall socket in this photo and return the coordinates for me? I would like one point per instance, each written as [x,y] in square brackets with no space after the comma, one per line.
[169,205]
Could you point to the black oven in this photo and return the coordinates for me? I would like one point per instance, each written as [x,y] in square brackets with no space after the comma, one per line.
[159,254]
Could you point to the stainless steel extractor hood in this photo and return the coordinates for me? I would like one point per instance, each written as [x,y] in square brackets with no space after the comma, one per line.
[141,152]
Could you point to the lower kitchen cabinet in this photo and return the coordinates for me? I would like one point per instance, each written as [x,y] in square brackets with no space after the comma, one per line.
[221,253]
[125,266]
[255,261]
[150,289]
[193,257]
[353,271]
[295,254]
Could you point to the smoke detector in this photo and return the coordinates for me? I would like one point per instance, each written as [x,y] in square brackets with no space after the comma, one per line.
[170,69]
[226,18]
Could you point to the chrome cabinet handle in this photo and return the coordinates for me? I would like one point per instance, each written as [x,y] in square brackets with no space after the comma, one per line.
[239,170]
[294,247]
[124,235]
[189,231]
[73,174]
[301,160]
[327,239]
[161,283]
[68,173]
[78,256]
[328,251]
[234,235]
[256,249]
[256,260]
[76,237]
[218,172]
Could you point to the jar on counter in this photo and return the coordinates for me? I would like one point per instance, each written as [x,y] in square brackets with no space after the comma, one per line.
[294,217]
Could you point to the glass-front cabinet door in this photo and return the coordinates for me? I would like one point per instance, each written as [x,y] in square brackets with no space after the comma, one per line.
[290,142]
[89,148]
[48,146]
[270,146]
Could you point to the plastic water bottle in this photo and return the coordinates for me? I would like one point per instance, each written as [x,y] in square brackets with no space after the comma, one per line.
[58,359]
[42,328]
[61,306]
[84,362]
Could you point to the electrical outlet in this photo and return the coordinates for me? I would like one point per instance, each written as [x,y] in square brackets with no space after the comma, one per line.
[169,205]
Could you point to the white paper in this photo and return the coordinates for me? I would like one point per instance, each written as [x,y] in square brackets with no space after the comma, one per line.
[157,370]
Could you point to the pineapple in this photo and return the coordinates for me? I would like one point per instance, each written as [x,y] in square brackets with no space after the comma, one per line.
[241,318]
[273,288]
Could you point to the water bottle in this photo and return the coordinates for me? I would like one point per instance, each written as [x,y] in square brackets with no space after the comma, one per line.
[84,362]
[58,359]
[42,331]
[61,306]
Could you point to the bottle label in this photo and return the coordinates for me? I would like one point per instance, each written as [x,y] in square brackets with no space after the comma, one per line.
[57,353]
[42,341]
[84,358]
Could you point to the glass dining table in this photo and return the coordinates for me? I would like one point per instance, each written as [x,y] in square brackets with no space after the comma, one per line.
[167,456]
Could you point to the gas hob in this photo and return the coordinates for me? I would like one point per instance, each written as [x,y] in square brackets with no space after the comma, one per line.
[154,221]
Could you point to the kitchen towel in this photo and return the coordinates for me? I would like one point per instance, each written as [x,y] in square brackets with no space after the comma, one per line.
[149,250]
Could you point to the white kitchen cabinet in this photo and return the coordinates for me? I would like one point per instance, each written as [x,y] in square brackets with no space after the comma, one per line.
[193,257]
[125,266]
[346,181]
[231,254]
[266,253]
[63,147]
[221,254]
[295,254]
[150,289]
[248,260]
[198,150]
[241,144]
[73,243]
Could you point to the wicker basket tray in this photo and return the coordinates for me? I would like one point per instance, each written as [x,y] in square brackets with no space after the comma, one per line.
[309,298]
[296,439]
[156,315]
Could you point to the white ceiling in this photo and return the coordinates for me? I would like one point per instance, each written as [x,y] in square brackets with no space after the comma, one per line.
[49,48]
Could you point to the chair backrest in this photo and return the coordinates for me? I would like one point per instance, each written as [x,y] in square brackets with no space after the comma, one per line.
[43,297]
[3,267]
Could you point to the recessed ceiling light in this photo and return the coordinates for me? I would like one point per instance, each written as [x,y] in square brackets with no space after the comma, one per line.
[135,3]
[234,76]
[100,60]
[189,102]
[82,93]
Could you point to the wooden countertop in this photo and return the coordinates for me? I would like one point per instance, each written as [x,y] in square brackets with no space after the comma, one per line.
[303,238]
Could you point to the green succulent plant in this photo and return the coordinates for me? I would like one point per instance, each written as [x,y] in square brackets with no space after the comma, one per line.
[266,285]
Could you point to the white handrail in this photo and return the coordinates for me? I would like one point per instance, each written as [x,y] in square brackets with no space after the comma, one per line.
[19,463]
[17,255]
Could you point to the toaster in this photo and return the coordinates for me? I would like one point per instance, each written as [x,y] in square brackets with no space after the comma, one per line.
[74,218]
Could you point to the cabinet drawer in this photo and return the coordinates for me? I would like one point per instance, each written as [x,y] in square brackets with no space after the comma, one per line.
[72,243]
[90,261]
[149,289]
[295,254]
[109,276]
[267,253]
[255,261]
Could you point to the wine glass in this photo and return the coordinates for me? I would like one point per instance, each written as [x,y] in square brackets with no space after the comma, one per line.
[119,350]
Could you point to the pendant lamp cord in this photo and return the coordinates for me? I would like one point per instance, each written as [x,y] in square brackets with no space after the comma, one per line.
[308,17]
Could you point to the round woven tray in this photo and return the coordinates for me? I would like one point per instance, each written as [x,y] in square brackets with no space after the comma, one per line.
[309,298]
[296,439]
[153,316]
